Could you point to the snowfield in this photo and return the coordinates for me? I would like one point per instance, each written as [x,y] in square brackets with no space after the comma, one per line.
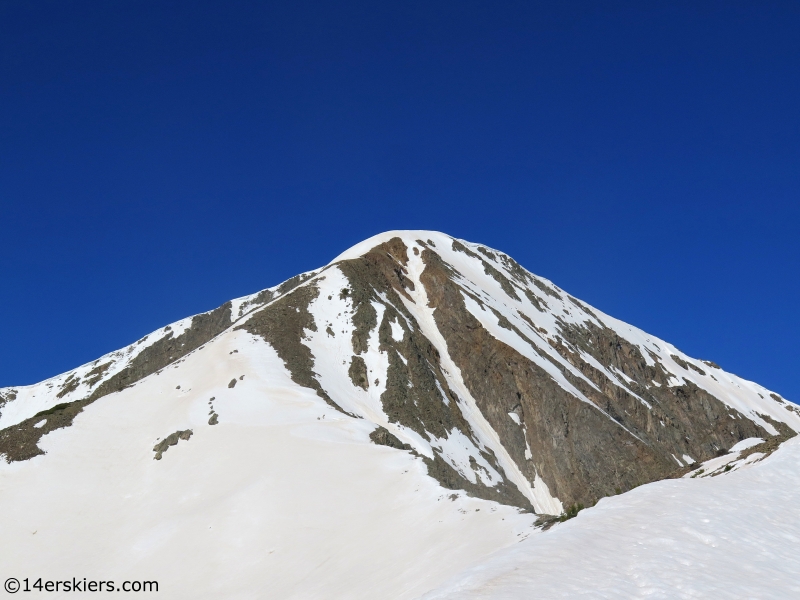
[733,536]
[284,498]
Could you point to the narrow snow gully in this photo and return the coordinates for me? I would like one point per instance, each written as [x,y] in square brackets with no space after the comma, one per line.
[538,493]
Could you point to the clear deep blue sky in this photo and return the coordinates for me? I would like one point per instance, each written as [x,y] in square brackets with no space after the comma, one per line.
[159,158]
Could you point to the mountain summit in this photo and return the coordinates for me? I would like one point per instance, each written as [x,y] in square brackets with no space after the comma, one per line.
[413,361]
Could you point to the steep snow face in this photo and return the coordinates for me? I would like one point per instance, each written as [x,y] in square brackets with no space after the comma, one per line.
[722,537]
[331,347]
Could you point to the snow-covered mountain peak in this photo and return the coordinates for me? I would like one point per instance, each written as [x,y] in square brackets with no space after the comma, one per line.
[419,396]
[503,384]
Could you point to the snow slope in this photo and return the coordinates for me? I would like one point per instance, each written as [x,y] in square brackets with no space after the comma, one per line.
[284,498]
[735,536]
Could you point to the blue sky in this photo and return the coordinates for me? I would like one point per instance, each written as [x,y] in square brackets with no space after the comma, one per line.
[159,158]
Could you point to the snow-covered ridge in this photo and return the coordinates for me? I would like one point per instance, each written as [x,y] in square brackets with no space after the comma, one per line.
[81,381]
[76,384]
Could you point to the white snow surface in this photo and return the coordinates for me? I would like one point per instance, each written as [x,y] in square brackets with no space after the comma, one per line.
[733,536]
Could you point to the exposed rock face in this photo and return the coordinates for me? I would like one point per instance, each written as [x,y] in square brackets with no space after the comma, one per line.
[582,454]
[171,440]
[503,384]
[7,395]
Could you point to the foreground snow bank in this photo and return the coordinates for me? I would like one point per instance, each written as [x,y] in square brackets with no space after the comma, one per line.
[734,536]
